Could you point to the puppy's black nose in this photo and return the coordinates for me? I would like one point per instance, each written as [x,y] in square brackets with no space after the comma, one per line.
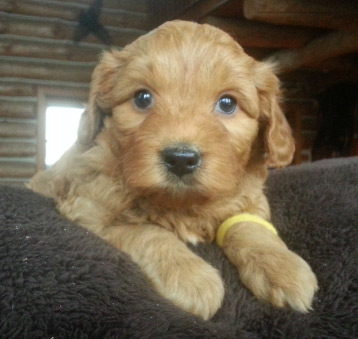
[181,159]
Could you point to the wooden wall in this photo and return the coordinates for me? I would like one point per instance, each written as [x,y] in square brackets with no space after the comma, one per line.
[302,114]
[38,59]
[37,54]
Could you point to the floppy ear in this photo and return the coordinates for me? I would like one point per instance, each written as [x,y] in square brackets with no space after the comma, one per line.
[99,105]
[279,142]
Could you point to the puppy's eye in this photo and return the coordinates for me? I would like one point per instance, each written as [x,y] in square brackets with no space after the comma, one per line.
[226,105]
[143,99]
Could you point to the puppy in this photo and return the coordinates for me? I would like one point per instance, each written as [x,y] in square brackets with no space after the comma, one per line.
[180,129]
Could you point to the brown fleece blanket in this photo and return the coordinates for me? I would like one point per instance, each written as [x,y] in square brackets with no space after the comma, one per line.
[59,281]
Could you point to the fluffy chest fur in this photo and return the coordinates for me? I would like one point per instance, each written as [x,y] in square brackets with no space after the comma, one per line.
[97,199]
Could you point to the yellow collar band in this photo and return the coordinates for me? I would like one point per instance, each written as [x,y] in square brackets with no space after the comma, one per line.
[244,217]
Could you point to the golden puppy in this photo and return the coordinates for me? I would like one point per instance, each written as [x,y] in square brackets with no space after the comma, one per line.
[180,128]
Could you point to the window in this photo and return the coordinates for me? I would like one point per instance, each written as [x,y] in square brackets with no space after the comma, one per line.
[60,130]
[59,113]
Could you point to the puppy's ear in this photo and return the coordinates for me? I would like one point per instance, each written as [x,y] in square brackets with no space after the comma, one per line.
[99,105]
[279,142]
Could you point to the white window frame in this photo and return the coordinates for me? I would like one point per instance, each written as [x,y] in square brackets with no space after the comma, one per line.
[51,97]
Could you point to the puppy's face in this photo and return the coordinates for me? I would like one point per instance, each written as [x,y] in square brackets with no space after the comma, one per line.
[187,109]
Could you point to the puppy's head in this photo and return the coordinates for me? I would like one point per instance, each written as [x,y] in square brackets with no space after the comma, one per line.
[186,112]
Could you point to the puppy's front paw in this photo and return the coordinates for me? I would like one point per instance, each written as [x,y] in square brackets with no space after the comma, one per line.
[280,277]
[194,286]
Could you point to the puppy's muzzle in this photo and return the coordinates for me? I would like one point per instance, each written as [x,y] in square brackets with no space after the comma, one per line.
[181,159]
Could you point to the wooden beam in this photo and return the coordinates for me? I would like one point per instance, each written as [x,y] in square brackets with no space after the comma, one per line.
[129,5]
[160,11]
[334,14]
[313,82]
[323,48]
[137,6]
[10,148]
[45,69]
[200,9]
[332,78]
[13,129]
[299,106]
[344,63]
[262,35]
[259,53]
[64,93]
[70,11]
[17,108]
[232,9]
[14,89]
[13,45]
[39,27]
[16,169]
[16,86]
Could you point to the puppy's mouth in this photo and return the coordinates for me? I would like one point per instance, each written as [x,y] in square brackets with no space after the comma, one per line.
[181,162]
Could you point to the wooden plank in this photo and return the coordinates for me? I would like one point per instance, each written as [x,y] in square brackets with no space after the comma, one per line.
[262,35]
[341,15]
[10,148]
[201,8]
[323,48]
[129,5]
[313,81]
[259,53]
[18,46]
[59,29]
[45,69]
[41,130]
[160,11]
[305,103]
[63,94]
[16,86]
[70,11]
[295,109]
[232,9]
[13,129]
[299,106]
[24,108]
[14,89]
[11,84]
[309,123]
[192,10]
[343,63]
[308,139]
[22,169]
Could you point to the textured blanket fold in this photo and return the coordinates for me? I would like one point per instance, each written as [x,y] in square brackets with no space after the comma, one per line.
[59,281]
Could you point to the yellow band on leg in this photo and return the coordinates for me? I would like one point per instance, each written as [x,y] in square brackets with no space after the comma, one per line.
[228,223]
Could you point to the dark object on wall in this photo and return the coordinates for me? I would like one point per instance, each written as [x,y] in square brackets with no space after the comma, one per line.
[337,135]
[88,23]
[58,280]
